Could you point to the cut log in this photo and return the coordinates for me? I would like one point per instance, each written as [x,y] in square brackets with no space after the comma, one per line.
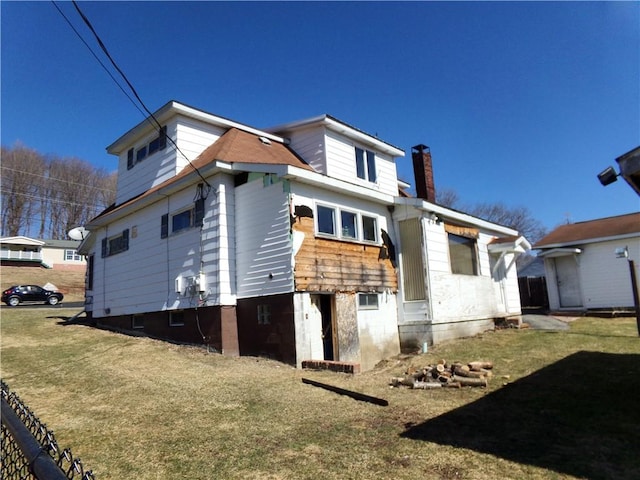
[469,373]
[452,385]
[480,365]
[440,368]
[427,385]
[472,382]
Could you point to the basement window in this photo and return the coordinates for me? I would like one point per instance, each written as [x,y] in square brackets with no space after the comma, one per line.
[176,319]
[137,321]
[264,314]
[367,301]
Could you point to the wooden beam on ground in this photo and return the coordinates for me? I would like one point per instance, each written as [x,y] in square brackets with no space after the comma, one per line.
[349,393]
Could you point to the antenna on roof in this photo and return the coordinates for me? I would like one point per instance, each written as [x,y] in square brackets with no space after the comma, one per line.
[78,233]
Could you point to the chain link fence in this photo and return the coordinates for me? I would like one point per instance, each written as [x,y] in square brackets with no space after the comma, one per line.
[29,448]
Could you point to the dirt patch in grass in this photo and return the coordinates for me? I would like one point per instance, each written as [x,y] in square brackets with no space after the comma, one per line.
[134,407]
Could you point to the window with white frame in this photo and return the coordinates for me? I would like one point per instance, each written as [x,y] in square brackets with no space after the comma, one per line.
[365,164]
[368,301]
[158,143]
[326,219]
[346,224]
[72,256]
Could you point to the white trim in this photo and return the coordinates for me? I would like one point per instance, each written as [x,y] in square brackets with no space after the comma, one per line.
[589,240]
[438,210]
[173,108]
[559,252]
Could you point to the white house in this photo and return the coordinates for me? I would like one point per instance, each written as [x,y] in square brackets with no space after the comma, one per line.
[582,268]
[279,242]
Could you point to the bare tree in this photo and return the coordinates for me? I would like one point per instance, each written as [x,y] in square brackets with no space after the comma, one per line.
[21,171]
[518,218]
[50,195]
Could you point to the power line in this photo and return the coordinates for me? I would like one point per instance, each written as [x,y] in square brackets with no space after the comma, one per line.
[122,74]
[68,182]
[96,57]
[54,200]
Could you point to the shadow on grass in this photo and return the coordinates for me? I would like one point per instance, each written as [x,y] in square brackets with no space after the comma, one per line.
[579,416]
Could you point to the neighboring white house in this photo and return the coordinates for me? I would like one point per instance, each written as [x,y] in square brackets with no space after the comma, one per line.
[282,243]
[582,268]
[56,254]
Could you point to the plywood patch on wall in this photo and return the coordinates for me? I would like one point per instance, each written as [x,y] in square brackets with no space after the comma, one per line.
[328,265]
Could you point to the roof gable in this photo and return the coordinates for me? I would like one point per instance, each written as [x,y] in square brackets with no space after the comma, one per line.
[582,232]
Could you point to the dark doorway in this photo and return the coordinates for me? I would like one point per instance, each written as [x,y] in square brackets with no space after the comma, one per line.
[327,325]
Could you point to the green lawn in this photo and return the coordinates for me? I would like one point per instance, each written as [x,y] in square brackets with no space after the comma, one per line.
[560,405]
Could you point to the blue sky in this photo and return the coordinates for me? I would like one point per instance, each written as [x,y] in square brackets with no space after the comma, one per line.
[520,102]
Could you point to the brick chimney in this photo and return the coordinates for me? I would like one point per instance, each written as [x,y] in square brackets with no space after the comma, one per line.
[423,173]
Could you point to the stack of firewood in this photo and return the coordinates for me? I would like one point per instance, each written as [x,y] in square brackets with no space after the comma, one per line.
[444,374]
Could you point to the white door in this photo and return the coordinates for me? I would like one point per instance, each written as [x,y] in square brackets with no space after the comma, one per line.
[568,281]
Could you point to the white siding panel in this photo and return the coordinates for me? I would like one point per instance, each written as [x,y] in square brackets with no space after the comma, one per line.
[263,242]
[193,138]
[142,279]
[605,279]
[309,144]
[341,165]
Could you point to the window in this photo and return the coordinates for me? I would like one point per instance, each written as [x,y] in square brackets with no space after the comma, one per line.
[366,164]
[353,225]
[326,220]
[182,221]
[369,229]
[349,220]
[367,301]
[155,145]
[264,314]
[413,274]
[72,256]
[137,321]
[176,319]
[115,244]
[89,278]
[463,255]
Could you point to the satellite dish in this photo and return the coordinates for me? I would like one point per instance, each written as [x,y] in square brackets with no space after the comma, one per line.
[78,233]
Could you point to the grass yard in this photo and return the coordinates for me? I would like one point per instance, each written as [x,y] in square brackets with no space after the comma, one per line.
[70,283]
[133,407]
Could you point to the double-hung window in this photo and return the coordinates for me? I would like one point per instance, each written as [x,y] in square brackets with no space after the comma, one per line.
[326,220]
[366,164]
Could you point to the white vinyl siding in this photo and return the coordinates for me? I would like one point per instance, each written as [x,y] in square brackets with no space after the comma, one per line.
[341,164]
[263,240]
[309,144]
[160,261]
[192,138]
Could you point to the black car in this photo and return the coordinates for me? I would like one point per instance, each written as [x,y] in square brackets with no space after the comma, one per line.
[18,294]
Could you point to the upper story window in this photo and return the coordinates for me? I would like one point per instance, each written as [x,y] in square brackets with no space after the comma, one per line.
[115,244]
[346,224]
[158,143]
[366,164]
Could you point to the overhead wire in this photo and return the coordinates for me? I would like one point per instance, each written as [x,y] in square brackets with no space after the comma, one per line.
[157,125]
[56,179]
